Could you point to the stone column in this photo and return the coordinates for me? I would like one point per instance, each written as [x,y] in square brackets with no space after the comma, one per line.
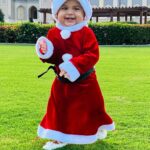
[10,12]
[41,15]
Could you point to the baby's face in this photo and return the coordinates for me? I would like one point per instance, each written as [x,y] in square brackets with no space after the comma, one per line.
[70,13]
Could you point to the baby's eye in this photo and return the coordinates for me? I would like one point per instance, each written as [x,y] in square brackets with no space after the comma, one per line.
[76,8]
[64,8]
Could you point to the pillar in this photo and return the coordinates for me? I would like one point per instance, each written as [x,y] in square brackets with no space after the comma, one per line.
[118,16]
[141,14]
[111,16]
[44,17]
[130,18]
[96,18]
[145,19]
[126,17]
[11,12]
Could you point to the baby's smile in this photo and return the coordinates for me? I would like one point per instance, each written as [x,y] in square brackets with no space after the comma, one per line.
[69,18]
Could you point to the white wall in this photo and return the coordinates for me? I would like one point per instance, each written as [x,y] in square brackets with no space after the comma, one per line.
[4,7]
[9,7]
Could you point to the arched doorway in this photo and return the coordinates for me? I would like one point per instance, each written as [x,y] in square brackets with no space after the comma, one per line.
[32,13]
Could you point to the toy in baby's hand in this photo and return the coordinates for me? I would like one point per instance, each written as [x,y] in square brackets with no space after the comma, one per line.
[44,48]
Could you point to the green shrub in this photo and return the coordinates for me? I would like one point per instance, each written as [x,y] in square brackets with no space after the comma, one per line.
[2,37]
[107,33]
[148,22]
[119,33]
[10,34]
[30,32]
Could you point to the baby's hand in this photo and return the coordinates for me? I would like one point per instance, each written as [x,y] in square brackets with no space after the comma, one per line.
[43,46]
[64,73]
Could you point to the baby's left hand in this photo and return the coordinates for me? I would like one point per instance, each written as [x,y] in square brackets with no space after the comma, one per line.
[64,73]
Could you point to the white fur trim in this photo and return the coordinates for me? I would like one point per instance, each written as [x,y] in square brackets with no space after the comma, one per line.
[56,4]
[73,28]
[71,138]
[71,70]
[50,48]
[66,57]
[87,8]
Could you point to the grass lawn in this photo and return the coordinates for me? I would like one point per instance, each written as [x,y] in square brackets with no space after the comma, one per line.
[124,77]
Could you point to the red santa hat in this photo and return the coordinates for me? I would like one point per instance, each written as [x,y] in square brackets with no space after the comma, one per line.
[56,4]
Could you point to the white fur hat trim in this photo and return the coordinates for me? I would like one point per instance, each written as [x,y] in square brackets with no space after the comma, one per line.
[65,34]
[56,4]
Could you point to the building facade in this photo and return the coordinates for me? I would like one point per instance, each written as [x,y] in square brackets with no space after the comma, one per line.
[120,3]
[20,10]
[25,10]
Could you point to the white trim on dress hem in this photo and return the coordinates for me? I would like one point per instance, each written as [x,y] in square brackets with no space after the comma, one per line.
[72,138]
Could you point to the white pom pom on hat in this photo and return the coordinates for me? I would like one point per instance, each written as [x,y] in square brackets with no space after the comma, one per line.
[56,4]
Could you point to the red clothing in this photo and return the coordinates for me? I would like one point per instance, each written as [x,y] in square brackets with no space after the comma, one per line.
[75,108]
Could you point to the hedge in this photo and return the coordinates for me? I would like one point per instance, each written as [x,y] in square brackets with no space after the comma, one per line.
[121,33]
[106,33]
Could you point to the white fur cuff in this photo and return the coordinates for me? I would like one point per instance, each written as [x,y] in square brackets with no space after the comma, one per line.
[70,69]
[50,48]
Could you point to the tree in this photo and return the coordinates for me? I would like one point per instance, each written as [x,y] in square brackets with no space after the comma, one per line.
[1,16]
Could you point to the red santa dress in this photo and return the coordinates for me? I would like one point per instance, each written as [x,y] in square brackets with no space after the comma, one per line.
[75,111]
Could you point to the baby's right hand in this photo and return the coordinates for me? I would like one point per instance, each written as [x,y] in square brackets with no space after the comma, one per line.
[43,46]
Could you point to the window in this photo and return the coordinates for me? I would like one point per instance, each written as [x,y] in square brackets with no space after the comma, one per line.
[21,13]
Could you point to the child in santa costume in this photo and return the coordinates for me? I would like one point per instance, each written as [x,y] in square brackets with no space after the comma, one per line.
[75,113]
